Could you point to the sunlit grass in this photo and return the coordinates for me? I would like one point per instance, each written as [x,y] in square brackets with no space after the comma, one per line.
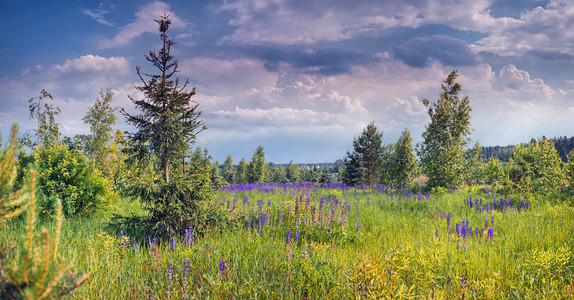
[395,252]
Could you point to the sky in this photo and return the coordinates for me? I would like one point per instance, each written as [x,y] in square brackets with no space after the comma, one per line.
[301,78]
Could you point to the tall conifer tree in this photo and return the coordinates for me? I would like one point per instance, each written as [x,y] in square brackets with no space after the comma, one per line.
[169,121]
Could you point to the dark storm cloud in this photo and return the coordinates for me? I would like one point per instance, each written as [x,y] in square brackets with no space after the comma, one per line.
[449,51]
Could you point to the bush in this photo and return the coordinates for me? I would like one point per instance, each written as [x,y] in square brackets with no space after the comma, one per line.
[536,167]
[66,175]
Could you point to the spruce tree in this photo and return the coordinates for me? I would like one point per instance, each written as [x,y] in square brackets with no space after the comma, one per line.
[363,165]
[402,161]
[169,119]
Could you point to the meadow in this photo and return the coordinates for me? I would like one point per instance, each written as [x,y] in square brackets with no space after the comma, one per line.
[308,241]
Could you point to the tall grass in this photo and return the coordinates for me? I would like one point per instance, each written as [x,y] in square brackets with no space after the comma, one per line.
[402,248]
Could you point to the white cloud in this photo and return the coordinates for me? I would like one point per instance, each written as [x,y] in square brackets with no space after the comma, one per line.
[519,80]
[288,22]
[542,28]
[144,23]
[95,63]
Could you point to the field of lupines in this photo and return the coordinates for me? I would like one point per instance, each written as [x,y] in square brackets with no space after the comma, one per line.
[334,242]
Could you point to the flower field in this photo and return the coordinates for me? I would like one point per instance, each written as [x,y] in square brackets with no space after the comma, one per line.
[333,242]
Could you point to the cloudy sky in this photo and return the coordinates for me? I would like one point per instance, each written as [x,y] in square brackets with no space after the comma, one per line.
[300,77]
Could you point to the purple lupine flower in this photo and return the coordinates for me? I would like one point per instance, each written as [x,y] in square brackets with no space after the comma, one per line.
[491,219]
[222,268]
[491,233]
[448,220]
[186,268]
[170,272]
[248,224]
[297,235]
[189,237]
[486,223]
[411,210]
[172,248]
[288,235]
[436,232]
[359,226]
[463,281]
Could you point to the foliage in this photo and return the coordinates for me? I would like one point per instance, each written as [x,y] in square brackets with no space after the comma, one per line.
[474,165]
[65,175]
[170,119]
[12,201]
[493,171]
[47,130]
[402,160]
[100,117]
[536,167]
[241,173]
[257,169]
[363,165]
[445,137]
[173,206]
[569,168]
[227,169]
[39,272]
[292,173]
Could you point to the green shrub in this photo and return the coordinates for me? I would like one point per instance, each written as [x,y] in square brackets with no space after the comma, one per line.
[536,167]
[65,174]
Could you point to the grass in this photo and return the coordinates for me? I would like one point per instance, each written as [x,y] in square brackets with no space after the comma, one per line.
[394,253]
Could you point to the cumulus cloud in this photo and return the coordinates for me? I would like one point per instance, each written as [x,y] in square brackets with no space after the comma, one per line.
[144,23]
[95,63]
[541,31]
[519,80]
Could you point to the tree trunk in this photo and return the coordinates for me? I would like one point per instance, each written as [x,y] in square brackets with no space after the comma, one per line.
[166,170]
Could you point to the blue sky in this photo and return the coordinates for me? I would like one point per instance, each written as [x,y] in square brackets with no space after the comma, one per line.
[301,78]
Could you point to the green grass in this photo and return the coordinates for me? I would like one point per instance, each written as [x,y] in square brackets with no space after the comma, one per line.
[395,254]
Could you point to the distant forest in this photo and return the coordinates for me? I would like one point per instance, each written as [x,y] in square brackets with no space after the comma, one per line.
[563,145]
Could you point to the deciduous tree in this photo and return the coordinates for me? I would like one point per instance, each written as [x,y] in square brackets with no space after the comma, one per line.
[100,117]
[446,136]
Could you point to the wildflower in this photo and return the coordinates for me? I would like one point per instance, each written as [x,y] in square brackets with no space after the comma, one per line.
[288,235]
[170,272]
[491,233]
[186,268]
[222,268]
[436,232]
[172,248]
[188,241]
[297,235]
